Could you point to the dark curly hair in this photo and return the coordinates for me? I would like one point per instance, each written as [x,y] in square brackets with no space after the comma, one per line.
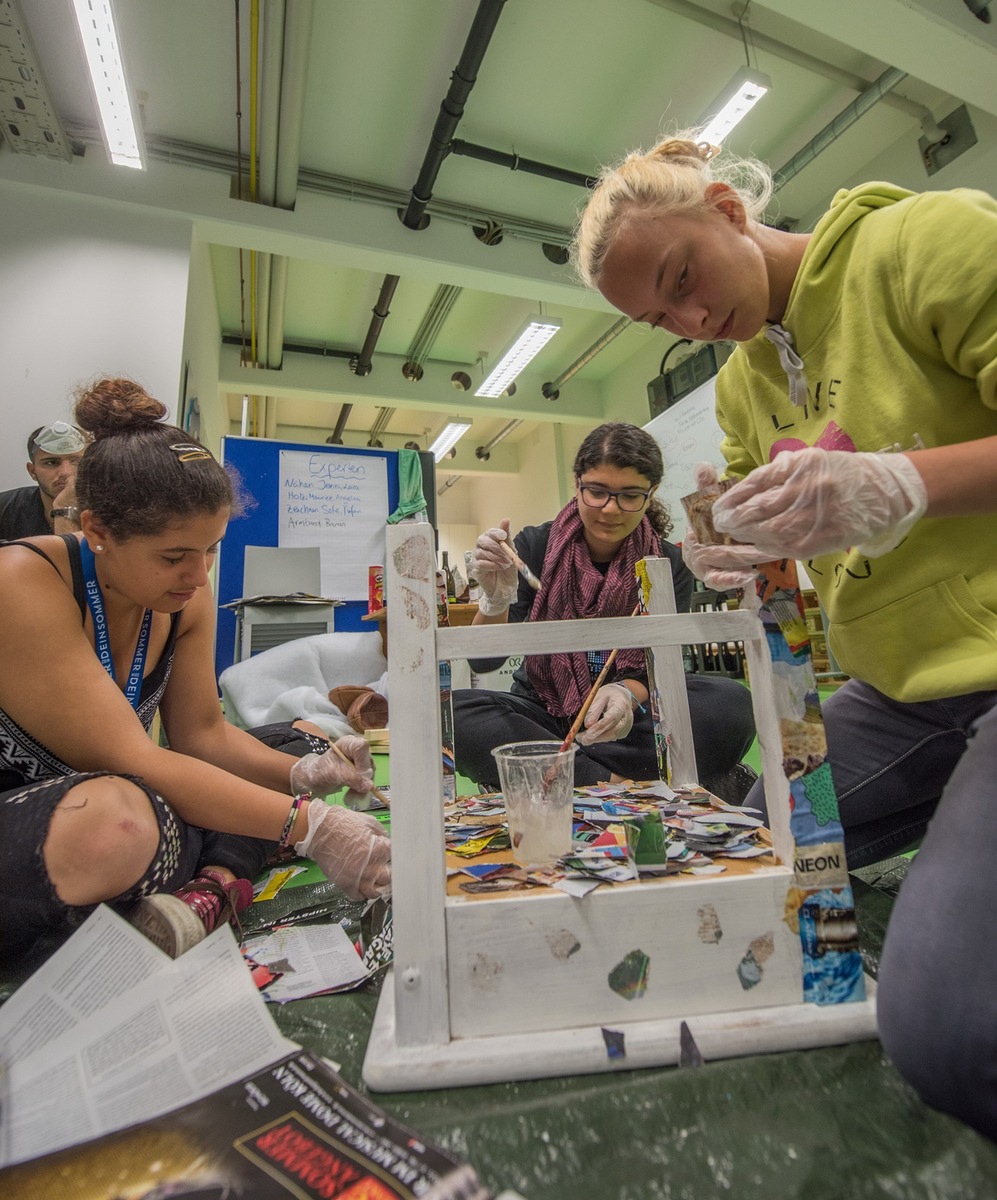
[139,475]
[617,444]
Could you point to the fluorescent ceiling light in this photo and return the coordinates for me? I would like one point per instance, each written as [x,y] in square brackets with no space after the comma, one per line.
[734,103]
[448,437]
[526,345]
[95,19]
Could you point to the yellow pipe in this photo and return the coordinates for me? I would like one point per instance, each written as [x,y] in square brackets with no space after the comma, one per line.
[254,88]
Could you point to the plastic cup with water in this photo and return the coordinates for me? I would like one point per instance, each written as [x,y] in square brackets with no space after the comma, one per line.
[538,782]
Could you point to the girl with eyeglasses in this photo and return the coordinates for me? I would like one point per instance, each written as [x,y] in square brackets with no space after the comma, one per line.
[585,561]
[860,419]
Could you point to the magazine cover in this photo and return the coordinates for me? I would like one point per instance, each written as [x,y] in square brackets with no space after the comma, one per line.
[294,1129]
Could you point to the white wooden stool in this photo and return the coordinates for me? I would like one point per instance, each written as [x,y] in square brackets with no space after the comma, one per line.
[516,986]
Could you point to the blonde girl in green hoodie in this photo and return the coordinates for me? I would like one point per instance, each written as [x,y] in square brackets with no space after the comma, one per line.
[859,412]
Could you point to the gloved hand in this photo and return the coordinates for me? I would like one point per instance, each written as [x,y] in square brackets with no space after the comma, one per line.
[496,575]
[813,501]
[351,849]
[610,715]
[721,567]
[717,563]
[324,773]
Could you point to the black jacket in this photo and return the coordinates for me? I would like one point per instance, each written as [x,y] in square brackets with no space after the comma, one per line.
[531,546]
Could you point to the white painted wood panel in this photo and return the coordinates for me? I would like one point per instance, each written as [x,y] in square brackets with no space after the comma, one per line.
[392,1066]
[418,866]
[544,961]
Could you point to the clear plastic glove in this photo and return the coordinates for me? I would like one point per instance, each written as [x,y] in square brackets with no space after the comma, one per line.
[610,715]
[813,501]
[351,849]
[321,774]
[496,575]
[721,567]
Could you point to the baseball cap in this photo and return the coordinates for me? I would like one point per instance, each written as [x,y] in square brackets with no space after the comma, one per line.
[60,438]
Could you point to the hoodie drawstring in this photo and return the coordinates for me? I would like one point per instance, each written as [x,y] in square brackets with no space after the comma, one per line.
[791,362]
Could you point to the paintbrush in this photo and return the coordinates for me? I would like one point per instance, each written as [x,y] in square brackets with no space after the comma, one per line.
[375,792]
[521,567]
[576,724]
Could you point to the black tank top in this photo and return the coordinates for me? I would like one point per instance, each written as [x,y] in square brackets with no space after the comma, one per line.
[24,759]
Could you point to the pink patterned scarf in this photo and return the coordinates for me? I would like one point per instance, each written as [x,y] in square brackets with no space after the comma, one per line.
[574,587]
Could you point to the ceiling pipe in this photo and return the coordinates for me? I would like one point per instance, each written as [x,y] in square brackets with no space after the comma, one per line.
[835,128]
[451,111]
[231,339]
[450,481]
[361,365]
[210,158]
[336,437]
[514,162]
[484,452]
[384,415]
[429,330]
[762,41]
[551,389]
[298,19]
[273,57]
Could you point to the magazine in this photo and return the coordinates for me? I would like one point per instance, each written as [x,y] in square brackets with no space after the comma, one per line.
[295,1128]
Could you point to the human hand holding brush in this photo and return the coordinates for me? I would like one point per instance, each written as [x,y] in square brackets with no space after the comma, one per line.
[495,573]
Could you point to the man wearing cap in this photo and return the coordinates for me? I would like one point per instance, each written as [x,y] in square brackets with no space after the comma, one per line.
[54,452]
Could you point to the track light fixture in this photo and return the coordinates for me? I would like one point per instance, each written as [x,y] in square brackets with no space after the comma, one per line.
[448,437]
[525,346]
[95,20]
[733,104]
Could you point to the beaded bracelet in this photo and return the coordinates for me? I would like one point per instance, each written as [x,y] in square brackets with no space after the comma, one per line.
[285,833]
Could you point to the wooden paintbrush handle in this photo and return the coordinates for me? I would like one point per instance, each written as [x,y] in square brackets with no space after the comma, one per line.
[576,724]
[375,792]
[521,567]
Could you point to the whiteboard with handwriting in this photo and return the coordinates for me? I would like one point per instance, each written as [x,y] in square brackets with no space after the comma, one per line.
[337,502]
[687,433]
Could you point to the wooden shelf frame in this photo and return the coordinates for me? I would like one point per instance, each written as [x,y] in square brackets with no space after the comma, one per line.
[466,975]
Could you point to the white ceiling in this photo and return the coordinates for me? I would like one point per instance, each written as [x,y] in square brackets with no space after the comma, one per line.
[572,85]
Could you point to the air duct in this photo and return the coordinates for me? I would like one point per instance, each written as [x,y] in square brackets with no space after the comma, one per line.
[835,128]
[552,389]
[484,452]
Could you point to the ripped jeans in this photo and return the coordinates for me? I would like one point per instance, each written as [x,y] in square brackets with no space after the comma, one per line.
[29,905]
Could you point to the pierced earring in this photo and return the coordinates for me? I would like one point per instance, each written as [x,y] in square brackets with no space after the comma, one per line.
[99,549]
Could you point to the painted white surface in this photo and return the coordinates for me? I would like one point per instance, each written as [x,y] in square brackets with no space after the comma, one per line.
[581,1050]
[510,969]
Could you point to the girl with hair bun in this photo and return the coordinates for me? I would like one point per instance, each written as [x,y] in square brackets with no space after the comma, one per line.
[91,809]
[859,414]
[585,560]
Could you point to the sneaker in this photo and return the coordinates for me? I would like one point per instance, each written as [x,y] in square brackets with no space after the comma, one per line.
[177,921]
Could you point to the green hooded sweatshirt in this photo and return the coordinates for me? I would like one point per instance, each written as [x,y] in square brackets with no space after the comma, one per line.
[894,315]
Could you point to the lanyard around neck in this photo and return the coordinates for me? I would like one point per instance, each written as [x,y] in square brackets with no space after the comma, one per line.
[101,640]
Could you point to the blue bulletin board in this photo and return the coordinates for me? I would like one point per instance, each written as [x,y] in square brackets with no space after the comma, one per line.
[335,492]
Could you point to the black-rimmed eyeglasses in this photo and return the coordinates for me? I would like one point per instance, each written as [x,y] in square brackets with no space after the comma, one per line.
[630,500]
